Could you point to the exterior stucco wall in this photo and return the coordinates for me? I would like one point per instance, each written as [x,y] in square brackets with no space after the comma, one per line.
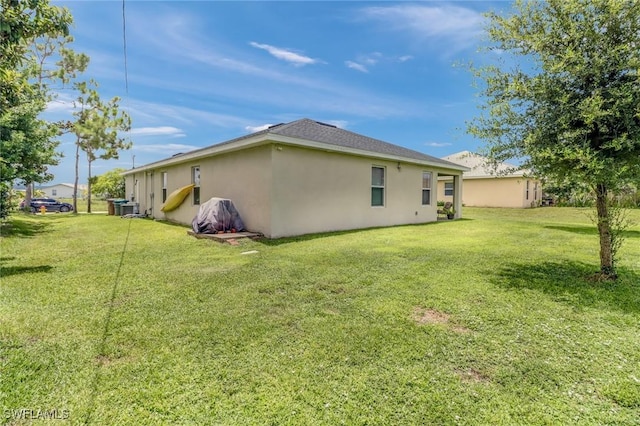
[284,190]
[318,191]
[497,192]
[135,189]
[243,177]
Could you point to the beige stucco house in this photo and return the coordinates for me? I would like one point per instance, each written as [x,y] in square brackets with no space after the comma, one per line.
[61,190]
[486,187]
[301,177]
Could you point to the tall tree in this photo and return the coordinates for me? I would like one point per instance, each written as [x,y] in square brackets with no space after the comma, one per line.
[45,72]
[566,97]
[97,130]
[31,33]
[28,146]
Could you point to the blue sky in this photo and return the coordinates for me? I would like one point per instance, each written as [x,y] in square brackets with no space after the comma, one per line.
[204,72]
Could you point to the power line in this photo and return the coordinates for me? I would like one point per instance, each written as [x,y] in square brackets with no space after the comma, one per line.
[124,42]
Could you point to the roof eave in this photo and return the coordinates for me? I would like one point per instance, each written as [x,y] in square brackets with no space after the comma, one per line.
[363,153]
[268,137]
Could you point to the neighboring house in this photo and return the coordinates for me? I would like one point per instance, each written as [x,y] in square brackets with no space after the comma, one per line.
[299,178]
[61,190]
[484,187]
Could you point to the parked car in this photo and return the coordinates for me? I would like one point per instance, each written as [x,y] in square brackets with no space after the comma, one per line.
[50,204]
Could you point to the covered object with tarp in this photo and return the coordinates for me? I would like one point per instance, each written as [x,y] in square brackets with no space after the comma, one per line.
[217,215]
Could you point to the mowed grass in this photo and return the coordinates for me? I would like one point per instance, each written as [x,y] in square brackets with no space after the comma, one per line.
[492,319]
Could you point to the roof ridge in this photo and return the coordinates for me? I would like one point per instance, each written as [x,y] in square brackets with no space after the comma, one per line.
[308,131]
[329,134]
[284,126]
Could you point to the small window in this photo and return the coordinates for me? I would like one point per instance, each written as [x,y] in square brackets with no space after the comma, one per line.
[377,186]
[195,179]
[535,191]
[527,191]
[54,192]
[164,186]
[426,188]
[448,189]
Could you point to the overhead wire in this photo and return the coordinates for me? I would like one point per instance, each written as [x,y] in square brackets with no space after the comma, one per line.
[126,67]
[102,347]
[124,45]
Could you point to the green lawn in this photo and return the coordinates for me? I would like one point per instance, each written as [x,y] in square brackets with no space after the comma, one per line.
[97,204]
[487,320]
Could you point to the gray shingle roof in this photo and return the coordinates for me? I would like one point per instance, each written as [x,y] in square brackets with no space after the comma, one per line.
[316,131]
[308,132]
[481,167]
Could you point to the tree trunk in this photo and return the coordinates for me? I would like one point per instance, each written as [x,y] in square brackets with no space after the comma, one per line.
[89,190]
[607,268]
[75,182]
[28,194]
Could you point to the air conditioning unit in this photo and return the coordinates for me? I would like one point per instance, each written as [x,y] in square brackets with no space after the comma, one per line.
[129,208]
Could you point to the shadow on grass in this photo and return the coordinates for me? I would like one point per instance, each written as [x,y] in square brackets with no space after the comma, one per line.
[16,270]
[6,271]
[17,227]
[589,230]
[572,283]
[309,237]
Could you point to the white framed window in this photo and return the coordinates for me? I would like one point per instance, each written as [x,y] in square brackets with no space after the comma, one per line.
[426,188]
[164,186]
[535,191]
[448,189]
[527,191]
[54,192]
[377,186]
[195,179]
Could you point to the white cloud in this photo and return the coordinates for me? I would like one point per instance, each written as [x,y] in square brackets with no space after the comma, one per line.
[152,113]
[460,26]
[253,129]
[437,144]
[356,66]
[158,131]
[285,55]
[59,106]
[370,59]
[363,63]
[176,36]
[341,124]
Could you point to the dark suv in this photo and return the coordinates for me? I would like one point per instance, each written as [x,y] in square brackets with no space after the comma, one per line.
[50,204]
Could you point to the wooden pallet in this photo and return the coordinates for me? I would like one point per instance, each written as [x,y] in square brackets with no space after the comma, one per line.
[227,237]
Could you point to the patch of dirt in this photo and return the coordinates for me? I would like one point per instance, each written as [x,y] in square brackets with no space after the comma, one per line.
[432,316]
[106,360]
[429,316]
[103,360]
[601,277]
[473,376]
